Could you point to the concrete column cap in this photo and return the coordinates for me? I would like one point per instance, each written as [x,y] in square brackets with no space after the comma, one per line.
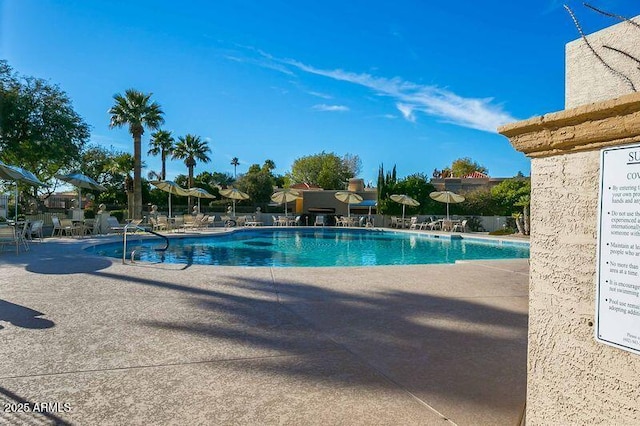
[584,128]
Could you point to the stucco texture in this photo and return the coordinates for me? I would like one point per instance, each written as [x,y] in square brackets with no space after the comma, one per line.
[572,379]
[587,79]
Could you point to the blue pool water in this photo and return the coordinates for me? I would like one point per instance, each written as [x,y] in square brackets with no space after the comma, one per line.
[314,247]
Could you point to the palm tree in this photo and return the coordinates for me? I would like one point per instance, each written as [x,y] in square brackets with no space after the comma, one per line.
[235,163]
[191,148]
[162,145]
[136,110]
[269,165]
[122,164]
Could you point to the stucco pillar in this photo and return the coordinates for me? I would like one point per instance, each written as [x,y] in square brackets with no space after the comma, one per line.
[572,379]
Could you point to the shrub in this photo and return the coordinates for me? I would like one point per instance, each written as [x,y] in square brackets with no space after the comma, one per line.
[119,214]
[504,231]
[474,224]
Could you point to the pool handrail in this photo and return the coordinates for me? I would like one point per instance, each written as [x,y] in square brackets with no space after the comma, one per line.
[141,228]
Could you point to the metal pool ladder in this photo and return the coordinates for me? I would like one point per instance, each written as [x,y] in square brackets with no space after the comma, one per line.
[140,228]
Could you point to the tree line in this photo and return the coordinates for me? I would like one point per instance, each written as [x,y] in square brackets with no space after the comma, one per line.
[507,198]
[40,131]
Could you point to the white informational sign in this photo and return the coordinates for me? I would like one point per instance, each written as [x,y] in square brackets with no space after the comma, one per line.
[618,261]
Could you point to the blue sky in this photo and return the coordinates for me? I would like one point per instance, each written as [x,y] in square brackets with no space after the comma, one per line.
[411,83]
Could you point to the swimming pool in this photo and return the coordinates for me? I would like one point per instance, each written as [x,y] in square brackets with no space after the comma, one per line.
[292,247]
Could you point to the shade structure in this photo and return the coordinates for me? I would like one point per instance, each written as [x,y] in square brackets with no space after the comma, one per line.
[81,181]
[172,188]
[199,193]
[447,197]
[18,174]
[349,198]
[234,194]
[11,173]
[285,196]
[405,200]
[30,178]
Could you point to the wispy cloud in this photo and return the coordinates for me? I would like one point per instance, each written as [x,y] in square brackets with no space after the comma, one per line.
[319,95]
[389,116]
[280,90]
[269,64]
[475,113]
[407,112]
[411,99]
[324,107]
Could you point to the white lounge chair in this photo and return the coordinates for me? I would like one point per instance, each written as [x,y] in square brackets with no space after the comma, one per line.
[447,225]
[68,228]
[162,223]
[461,226]
[8,236]
[114,225]
[434,224]
[36,229]
[284,220]
[179,224]
[414,223]
[200,221]
[57,227]
[319,221]
[185,220]
[88,226]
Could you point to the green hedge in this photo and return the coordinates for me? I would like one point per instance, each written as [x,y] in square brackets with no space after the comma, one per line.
[119,214]
[505,231]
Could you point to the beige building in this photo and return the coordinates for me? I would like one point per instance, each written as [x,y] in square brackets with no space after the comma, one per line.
[316,200]
[325,201]
[465,184]
[573,378]
[65,200]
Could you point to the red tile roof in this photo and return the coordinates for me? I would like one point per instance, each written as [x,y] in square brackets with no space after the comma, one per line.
[476,175]
[304,186]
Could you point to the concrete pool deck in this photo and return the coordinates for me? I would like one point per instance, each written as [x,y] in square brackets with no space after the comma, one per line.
[159,343]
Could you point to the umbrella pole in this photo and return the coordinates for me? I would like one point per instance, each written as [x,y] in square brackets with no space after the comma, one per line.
[234,207]
[169,204]
[349,210]
[447,211]
[80,198]
[403,207]
[198,204]
[17,194]
[285,207]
